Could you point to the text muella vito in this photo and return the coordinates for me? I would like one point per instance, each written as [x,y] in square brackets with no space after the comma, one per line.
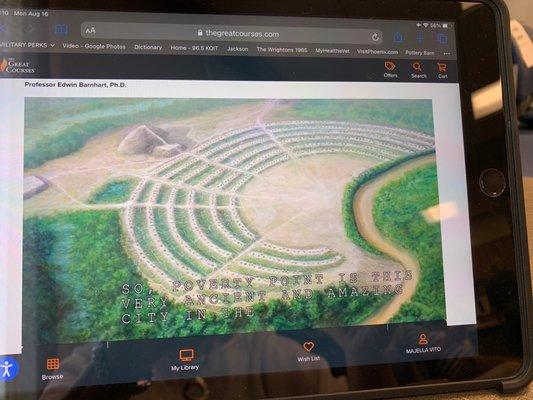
[422,350]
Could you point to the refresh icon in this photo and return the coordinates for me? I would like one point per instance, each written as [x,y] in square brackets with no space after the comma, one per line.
[376,37]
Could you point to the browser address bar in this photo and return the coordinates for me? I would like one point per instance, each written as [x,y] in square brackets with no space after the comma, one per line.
[280,34]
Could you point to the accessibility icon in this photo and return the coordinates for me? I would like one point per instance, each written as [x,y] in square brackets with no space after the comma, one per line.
[9,369]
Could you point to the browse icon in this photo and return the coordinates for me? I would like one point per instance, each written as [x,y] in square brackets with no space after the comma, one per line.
[52,364]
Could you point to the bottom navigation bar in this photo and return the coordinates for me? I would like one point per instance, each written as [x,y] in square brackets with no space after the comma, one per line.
[90,364]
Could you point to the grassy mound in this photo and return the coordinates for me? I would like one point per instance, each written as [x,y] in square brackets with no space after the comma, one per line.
[113,192]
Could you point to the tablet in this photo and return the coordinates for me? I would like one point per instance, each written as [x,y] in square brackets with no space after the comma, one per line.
[243,200]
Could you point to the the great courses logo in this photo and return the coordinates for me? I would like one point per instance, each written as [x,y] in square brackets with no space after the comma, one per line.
[12,66]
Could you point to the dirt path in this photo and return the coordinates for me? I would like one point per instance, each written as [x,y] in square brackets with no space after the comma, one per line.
[363,205]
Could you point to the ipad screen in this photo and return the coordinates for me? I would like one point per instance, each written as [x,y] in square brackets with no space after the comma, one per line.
[196,195]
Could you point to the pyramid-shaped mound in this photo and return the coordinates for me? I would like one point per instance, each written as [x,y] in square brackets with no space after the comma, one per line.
[140,140]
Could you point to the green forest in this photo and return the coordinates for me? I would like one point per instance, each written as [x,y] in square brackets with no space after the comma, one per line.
[398,215]
[408,114]
[55,128]
[74,269]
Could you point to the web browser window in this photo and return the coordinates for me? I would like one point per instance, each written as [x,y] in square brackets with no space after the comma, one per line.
[184,187]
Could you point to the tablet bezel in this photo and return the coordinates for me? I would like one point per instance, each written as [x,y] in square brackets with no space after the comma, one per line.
[489,143]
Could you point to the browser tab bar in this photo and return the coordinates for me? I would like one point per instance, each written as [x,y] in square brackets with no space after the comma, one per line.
[123,33]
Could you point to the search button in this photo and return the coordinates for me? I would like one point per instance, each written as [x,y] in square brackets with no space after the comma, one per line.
[417,66]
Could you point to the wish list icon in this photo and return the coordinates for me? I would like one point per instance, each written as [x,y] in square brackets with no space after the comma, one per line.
[9,369]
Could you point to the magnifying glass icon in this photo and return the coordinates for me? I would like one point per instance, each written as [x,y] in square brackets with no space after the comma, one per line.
[417,66]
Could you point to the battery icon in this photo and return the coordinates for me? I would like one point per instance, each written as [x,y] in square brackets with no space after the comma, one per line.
[444,25]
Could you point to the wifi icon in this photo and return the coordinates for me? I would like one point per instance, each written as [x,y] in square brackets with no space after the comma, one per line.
[425,24]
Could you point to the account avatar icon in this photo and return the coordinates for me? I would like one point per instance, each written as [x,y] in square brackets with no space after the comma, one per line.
[9,369]
[423,339]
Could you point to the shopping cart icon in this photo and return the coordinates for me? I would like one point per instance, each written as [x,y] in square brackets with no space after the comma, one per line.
[442,67]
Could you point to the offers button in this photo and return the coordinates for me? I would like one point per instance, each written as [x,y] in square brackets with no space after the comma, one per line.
[390,65]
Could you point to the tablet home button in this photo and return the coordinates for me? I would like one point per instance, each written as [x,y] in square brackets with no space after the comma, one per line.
[492,182]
